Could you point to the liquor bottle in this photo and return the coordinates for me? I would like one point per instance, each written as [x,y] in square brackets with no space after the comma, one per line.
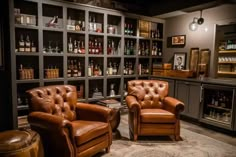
[114,70]
[131,47]
[110,70]
[113,51]
[75,47]
[68,69]
[27,44]
[82,47]
[142,49]
[89,71]
[126,29]
[33,47]
[75,69]
[92,67]
[131,31]
[99,70]
[96,46]
[147,49]
[109,47]
[100,51]
[79,49]
[94,24]
[96,71]
[159,52]
[70,46]
[90,23]
[93,48]
[90,47]
[21,44]
[83,26]
[79,70]
[127,48]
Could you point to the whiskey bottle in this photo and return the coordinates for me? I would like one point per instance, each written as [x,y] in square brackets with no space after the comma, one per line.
[110,70]
[131,31]
[109,47]
[27,44]
[33,47]
[127,48]
[75,47]
[21,44]
[131,47]
[82,47]
[79,49]
[75,69]
[96,46]
[90,47]
[96,71]
[68,69]
[79,70]
[70,46]
[89,70]
[100,51]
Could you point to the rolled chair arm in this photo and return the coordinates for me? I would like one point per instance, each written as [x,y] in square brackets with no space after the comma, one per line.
[47,121]
[132,103]
[173,105]
[93,112]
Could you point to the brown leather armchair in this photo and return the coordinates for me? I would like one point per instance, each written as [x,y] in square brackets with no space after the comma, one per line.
[151,111]
[68,128]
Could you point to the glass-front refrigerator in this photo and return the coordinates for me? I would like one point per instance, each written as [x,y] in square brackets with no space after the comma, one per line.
[217,106]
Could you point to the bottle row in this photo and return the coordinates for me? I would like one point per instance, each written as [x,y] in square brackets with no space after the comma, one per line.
[228,44]
[76,45]
[76,68]
[26,13]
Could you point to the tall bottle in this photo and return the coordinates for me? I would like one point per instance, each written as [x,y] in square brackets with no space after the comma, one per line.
[27,44]
[70,46]
[75,69]
[75,47]
[68,69]
[21,44]
[79,69]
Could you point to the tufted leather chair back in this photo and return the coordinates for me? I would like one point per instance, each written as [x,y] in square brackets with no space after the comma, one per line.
[58,100]
[149,93]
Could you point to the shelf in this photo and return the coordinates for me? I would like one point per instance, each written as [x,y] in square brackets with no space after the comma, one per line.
[234,62]
[53,54]
[53,79]
[130,56]
[96,33]
[75,55]
[27,53]
[75,78]
[227,51]
[114,35]
[95,77]
[76,32]
[52,29]
[218,107]
[27,81]
[113,56]
[207,117]
[23,107]
[26,26]
[228,73]
[113,76]
[131,37]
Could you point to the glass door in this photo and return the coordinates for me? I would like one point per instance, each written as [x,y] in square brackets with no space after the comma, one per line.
[217,105]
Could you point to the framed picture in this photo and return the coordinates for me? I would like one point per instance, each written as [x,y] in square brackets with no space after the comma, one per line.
[178,40]
[179,61]
[194,59]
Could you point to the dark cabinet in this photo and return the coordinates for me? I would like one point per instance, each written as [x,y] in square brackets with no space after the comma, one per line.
[189,94]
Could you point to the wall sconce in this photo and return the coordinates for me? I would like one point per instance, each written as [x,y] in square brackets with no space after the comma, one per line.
[193,25]
[196,21]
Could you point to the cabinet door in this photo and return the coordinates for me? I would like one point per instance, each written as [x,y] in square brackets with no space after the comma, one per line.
[194,100]
[182,94]
[189,94]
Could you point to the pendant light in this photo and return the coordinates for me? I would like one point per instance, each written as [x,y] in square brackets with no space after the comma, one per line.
[200,20]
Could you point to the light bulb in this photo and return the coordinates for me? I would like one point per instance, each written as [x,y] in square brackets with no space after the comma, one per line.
[193,26]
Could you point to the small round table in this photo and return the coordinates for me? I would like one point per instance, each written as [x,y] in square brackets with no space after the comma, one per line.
[20,143]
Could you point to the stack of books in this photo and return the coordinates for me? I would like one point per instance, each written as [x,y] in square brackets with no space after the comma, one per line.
[111,103]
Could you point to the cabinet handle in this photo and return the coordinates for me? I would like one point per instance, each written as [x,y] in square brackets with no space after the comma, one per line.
[201,88]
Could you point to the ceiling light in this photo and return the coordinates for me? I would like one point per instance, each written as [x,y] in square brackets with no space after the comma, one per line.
[200,20]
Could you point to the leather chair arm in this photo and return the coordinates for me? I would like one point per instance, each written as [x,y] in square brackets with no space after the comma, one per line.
[173,105]
[93,112]
[132,103]
[47,121]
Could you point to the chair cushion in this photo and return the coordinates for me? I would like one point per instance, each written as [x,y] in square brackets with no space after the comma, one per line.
[85,131]
[157,116]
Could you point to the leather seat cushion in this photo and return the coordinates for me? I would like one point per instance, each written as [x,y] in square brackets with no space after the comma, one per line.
[85,131]
[157,116]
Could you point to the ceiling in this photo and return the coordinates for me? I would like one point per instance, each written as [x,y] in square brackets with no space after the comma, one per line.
[167,8]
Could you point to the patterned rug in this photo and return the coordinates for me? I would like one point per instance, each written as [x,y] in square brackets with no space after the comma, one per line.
[193,145]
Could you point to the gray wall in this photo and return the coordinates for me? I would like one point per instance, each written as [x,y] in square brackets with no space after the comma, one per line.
[202,39]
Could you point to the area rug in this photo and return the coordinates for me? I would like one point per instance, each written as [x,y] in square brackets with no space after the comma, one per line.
[192,145]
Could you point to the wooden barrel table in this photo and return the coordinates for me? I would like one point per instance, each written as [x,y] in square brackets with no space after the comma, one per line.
[20,143]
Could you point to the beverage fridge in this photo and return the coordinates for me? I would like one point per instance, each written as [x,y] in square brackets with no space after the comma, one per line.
[218,106]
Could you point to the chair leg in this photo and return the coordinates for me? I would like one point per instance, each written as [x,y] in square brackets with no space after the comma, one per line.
[135,137]
[108,149]
[178,138]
